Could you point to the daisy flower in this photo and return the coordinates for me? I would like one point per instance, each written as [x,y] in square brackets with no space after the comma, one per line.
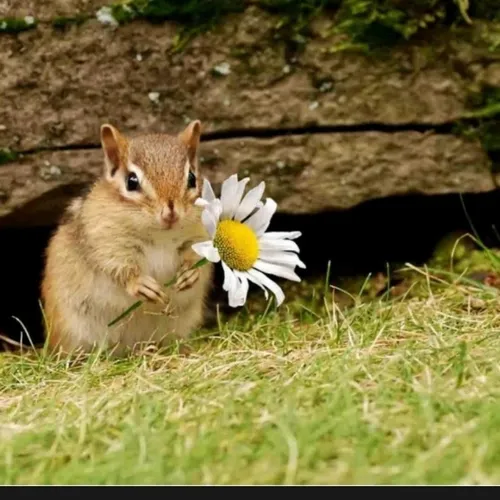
[237,228]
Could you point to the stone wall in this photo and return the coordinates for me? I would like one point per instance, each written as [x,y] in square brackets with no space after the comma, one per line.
[326,125]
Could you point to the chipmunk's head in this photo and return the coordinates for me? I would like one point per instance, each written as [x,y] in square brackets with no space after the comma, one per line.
[155,176]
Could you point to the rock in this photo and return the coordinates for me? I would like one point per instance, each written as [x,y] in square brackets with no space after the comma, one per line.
[65,84]
[362,125]
[314,173]
[303,173]
[47,10]
[37,187]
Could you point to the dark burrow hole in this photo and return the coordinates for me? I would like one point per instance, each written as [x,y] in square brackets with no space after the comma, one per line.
[356,241]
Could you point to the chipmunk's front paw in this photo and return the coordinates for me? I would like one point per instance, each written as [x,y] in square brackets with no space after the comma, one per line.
[187,277]
[147,288]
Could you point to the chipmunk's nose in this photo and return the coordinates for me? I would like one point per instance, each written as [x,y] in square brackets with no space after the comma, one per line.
[169,215]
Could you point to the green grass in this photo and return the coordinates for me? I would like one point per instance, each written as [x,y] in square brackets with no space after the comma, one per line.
[386,392]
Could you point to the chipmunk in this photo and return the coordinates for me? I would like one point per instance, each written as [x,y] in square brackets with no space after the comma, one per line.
[123,241]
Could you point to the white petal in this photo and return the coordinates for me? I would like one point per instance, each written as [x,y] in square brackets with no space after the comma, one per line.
[243,288]
[241,189]
[234,203]
[254,280]
[236,284]
[250,201]
[207,193]
[215,208]
[255,210]
[260,220]
[288,259]
[206,249]
[229,278]
[268,283]
[285,245]
[232,295]
[229,190]
[277,270]
[209,221]
[281,235]
[238,294]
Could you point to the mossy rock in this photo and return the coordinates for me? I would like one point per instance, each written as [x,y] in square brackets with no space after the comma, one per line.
[368,23]
[189,12]
[17,25]
[6,155]
[483,122]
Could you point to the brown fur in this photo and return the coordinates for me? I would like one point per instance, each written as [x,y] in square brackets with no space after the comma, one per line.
[115,246]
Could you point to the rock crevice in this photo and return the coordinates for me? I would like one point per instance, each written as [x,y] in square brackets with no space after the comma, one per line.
[304,173]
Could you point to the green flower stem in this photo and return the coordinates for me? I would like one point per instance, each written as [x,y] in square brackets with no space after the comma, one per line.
[137,304]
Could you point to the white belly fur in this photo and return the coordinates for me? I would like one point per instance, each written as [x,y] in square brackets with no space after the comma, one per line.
[146,323]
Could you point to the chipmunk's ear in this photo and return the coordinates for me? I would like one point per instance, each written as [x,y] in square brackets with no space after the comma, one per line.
[190,136]
[115,148]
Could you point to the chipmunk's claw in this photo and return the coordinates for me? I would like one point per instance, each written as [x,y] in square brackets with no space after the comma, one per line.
[168,309]
[148,288]
[187,277]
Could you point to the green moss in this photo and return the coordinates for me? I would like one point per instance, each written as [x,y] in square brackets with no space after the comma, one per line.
[488,132]
[295,16]
[16,25]
[190,12]
[367,23]
[482,122]
[6,155]
[195,16]
[386,22]
[382,23]
[459,252]
[371,24]
[62,22]
[451,250]
[484,9]
[484,104]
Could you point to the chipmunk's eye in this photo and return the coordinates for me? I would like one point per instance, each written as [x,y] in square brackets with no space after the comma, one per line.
[132,182]
[191,180]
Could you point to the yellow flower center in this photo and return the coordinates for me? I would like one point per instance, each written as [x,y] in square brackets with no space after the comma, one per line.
[237,244]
